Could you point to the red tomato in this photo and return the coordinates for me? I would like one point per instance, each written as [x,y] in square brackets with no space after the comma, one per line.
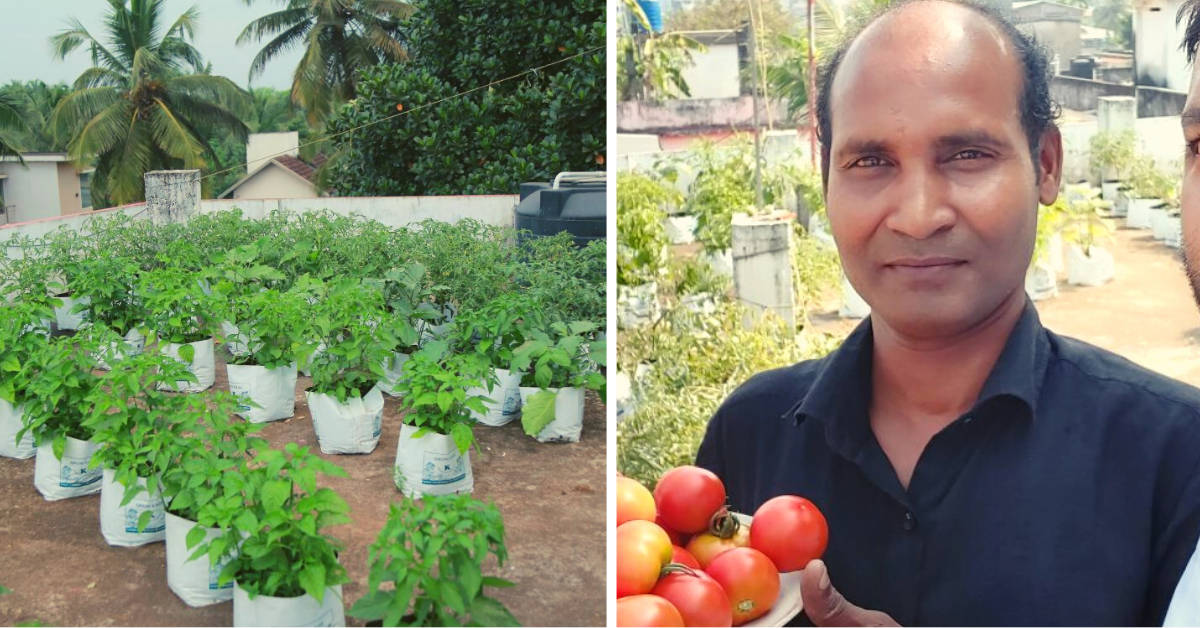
[706,547]
[634,501]
[750,580]
[699,599]
[647,610]
[677,538]
[643,549]
[684,557]
[790,531]
[688,497]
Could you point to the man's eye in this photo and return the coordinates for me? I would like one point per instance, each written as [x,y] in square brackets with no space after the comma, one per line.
[870,161]
[1192,147]
[968,154]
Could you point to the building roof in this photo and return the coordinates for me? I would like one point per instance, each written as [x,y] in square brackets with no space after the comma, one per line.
[1017,6]
[40,157]
[291,164]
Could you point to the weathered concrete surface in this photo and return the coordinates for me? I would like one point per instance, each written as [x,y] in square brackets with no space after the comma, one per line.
[172,195]
[552,497]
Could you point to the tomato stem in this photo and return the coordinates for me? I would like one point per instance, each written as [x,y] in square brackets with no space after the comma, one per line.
[724,524]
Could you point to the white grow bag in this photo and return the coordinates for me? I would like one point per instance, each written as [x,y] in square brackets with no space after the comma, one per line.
[431,465]
[203,366]
[568,414]
[637,305]
[393,373]
[63,315]
[1139,212]
[195,582]
[681,229]
[119,524]
[272,391]
[305,610]
[1174,228]
[11,422]
[69,477]
[506,399]
[1096,270]
[131,347]
[347,428]
[1040,281]
[233,342]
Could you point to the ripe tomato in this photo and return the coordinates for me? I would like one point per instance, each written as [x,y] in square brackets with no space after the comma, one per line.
[699,599]
[749,579]
[634,501]
[647,610]
[684,557]
[688,497]
[706,547]
[643,549]
[790,531]
[677,538]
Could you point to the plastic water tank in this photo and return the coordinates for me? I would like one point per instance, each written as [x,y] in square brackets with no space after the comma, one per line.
[573,202]
[653,11]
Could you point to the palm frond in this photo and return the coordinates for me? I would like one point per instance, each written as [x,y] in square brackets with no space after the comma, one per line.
[286,40]
[175,138]
[217,89]
[80,106]
[273,23]
[102,132]
[97,76]
[77,35]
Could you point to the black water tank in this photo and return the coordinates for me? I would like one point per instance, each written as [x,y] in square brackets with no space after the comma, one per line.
[1083,67]
[575,203]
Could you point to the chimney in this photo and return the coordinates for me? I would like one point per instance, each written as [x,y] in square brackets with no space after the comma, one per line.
[264,146]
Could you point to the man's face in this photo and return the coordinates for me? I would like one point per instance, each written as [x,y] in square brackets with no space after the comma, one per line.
[1189,197]
[932,190]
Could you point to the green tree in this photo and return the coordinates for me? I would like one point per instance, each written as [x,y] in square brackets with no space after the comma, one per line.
[469,130]
[338,36]
[143,104]
[769,15]
[1115,16]
[39,101]
[270,111]
[652,65]
[12,125]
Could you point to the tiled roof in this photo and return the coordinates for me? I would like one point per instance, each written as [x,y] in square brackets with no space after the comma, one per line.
[298,166]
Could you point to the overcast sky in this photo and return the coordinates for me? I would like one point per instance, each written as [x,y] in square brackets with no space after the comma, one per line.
[26,27]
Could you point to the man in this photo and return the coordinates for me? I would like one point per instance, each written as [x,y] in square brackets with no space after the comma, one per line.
[974,468]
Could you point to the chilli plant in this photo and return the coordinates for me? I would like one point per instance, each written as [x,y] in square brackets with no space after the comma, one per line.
[59,389]
[557,356]
[431,553]
[178,310]
[434,392]
[347,321]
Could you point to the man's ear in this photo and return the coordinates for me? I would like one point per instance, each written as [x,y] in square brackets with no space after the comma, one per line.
[1049,165]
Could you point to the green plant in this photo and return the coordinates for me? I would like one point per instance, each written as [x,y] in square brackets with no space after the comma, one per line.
[432,553]
[690,277]
[816,269]
[1112,153]
[177,308]
[282,550]
[1050,221]
[469,263]
[641,236]
[652,65]
[21,337]
[723,186]
[1082,223]
[140,428]
[109,283]
[496,329]
[434,392]
[346,318]
[1147,180]
[408,304]
[59,388]
[272,325]
[555,357]
[568,281]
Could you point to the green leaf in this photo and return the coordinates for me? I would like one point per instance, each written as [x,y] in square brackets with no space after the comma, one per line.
[538,412]
[471,578]
[275,493]
[463,436]
[187,353]
[312,578]
[195,536]
[372,606]
[486,611]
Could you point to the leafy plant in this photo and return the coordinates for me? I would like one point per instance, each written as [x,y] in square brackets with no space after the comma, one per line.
[556,357]
[1082,223]
[177,308]
[432,552]
[567,280]
[272,325]
[282,550]
[110,285]
[1112,153]
[407,302]
[816,269]
[641,236]
[21,338]
[496,329]
[59,389]
[723,186]
[434,392]
[346,318]
[690,277]
[1147,180]
[651,65]
[140,428]
[1050,221]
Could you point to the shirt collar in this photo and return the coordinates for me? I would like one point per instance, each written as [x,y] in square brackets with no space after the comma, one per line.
[840,394]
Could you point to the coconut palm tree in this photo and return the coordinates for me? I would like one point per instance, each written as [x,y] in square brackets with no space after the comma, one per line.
[146,103]
[338,37]
[40,100]
[12,123]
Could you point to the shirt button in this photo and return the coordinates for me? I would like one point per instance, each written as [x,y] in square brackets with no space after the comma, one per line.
[967,420]
[910,522]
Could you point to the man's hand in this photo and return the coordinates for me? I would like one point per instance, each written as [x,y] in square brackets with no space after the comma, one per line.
[826,607]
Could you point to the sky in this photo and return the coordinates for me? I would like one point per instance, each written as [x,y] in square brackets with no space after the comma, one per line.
[26,27]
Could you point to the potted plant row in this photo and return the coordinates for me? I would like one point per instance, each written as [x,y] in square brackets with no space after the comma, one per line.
[558,363]
[180,317]
[409,313]
[21,337]
[492,333]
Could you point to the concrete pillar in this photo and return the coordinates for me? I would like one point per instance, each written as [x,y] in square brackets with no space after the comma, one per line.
[762,264]
[1116,113]
[172,195]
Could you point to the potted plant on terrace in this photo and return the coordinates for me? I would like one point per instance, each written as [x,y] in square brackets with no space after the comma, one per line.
[59,385]
[66,250]
[346,404]
[180,315]
[1087,264]
[138,428]
[206,487]
[492,332]
[107,287]
[559,365]
[20,337]
[1111,155]
[641,247]
[432,455]
[431,552]
[285,571]
[409,314]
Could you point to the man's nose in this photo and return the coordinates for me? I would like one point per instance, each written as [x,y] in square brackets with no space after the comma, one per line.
[919,207]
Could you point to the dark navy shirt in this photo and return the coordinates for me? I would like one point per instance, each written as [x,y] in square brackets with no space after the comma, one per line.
[1068,494]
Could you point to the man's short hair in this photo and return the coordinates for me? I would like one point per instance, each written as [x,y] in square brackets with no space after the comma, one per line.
[1038,110]
[1191,35]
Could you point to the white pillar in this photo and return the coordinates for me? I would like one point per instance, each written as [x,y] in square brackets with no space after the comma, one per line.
[172,195]
[762,264]
[1116,113]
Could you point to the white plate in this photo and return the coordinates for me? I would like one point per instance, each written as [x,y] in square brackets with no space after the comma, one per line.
[789,603]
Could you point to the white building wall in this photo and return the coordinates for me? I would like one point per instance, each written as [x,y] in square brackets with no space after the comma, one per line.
[266,145]
[1157,56]
[714,73]
[33,189]
[274,182]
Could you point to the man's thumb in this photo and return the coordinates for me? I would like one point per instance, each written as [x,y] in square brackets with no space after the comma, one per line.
[826,607]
